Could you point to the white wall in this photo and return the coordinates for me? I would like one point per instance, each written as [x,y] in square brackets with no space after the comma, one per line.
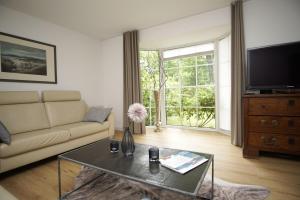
[111,77]
[271,22]
[77,54]
[198,28]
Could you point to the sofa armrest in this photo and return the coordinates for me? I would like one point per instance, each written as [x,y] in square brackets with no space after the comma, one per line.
[111,129]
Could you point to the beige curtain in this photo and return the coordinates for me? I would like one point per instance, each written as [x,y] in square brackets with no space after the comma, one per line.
[237,71]
[131,70]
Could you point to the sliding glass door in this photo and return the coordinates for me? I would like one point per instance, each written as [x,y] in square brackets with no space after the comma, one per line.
[190,90]
[193,83]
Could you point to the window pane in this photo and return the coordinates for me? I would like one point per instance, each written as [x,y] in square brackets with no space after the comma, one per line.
[172,97]
[189,117]
[153,117]
[152,101]
[205,59]
[188,97]
[188,76]
[146,98]
[146,80]
[149,63]
[187,62]
[150,120]
[172,77]
[170,64]
[205,75]
[206,118]
[190,88]
[147,121]
[149,59]
[173,116]
[197,103]
[206,96]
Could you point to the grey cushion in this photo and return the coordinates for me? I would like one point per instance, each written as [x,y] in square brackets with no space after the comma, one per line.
[97,114]
[4,134]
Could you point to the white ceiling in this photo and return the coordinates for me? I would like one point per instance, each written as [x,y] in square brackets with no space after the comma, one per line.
[104,19]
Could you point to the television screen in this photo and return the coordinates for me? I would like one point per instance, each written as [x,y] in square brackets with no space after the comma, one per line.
[274,67]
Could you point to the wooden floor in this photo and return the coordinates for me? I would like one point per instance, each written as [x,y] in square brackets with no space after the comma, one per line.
[281,176]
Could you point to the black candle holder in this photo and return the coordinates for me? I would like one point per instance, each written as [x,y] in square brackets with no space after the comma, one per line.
[154,154]
[114,146]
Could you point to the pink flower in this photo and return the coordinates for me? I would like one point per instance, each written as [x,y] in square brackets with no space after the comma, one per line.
[137,112]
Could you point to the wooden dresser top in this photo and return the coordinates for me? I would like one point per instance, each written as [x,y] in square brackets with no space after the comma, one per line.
[270,95]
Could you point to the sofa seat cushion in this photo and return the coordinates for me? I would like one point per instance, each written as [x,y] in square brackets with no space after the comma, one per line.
[29,141]
[82,129]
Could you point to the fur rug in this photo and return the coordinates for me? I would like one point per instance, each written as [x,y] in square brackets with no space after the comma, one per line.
[112,187]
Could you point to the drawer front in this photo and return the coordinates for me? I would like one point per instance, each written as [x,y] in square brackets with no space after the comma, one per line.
[270,124]
[274,106]
[266,106]
[274,142]
[293,105]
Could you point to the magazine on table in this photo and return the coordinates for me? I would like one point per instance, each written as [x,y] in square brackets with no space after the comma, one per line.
[182,161]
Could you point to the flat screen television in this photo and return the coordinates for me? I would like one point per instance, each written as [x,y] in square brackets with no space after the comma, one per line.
[274,67]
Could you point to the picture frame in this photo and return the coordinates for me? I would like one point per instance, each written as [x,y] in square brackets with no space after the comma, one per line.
[26,60]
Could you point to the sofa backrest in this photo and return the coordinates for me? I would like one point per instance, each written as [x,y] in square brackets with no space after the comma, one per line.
[22,111]
[63,107]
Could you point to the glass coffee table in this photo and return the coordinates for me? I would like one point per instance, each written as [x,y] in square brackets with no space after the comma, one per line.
[138,168]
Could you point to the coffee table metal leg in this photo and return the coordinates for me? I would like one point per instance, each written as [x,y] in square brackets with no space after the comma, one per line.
[59,178]
[212,179]
[145,196]
[63,196]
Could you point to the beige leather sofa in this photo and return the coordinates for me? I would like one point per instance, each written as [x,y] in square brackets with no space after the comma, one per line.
[46,127]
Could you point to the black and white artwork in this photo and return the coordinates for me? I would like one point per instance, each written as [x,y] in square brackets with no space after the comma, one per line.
[22,59]
[26,60]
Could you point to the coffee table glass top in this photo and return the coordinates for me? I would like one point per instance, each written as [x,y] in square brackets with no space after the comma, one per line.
[97,155]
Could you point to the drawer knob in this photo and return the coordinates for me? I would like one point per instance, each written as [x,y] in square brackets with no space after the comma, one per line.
[263,121]
[268,141]
[291,102]
[263,106]
[274,122]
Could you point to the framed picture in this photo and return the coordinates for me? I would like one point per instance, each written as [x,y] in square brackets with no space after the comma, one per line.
[25,60]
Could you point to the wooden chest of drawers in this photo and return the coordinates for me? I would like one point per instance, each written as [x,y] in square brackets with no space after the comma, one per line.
[271,123]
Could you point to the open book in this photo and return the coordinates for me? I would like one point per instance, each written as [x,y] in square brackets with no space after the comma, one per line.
[182,161]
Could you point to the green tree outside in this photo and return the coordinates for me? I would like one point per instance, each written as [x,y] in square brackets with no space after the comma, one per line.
[189,90]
